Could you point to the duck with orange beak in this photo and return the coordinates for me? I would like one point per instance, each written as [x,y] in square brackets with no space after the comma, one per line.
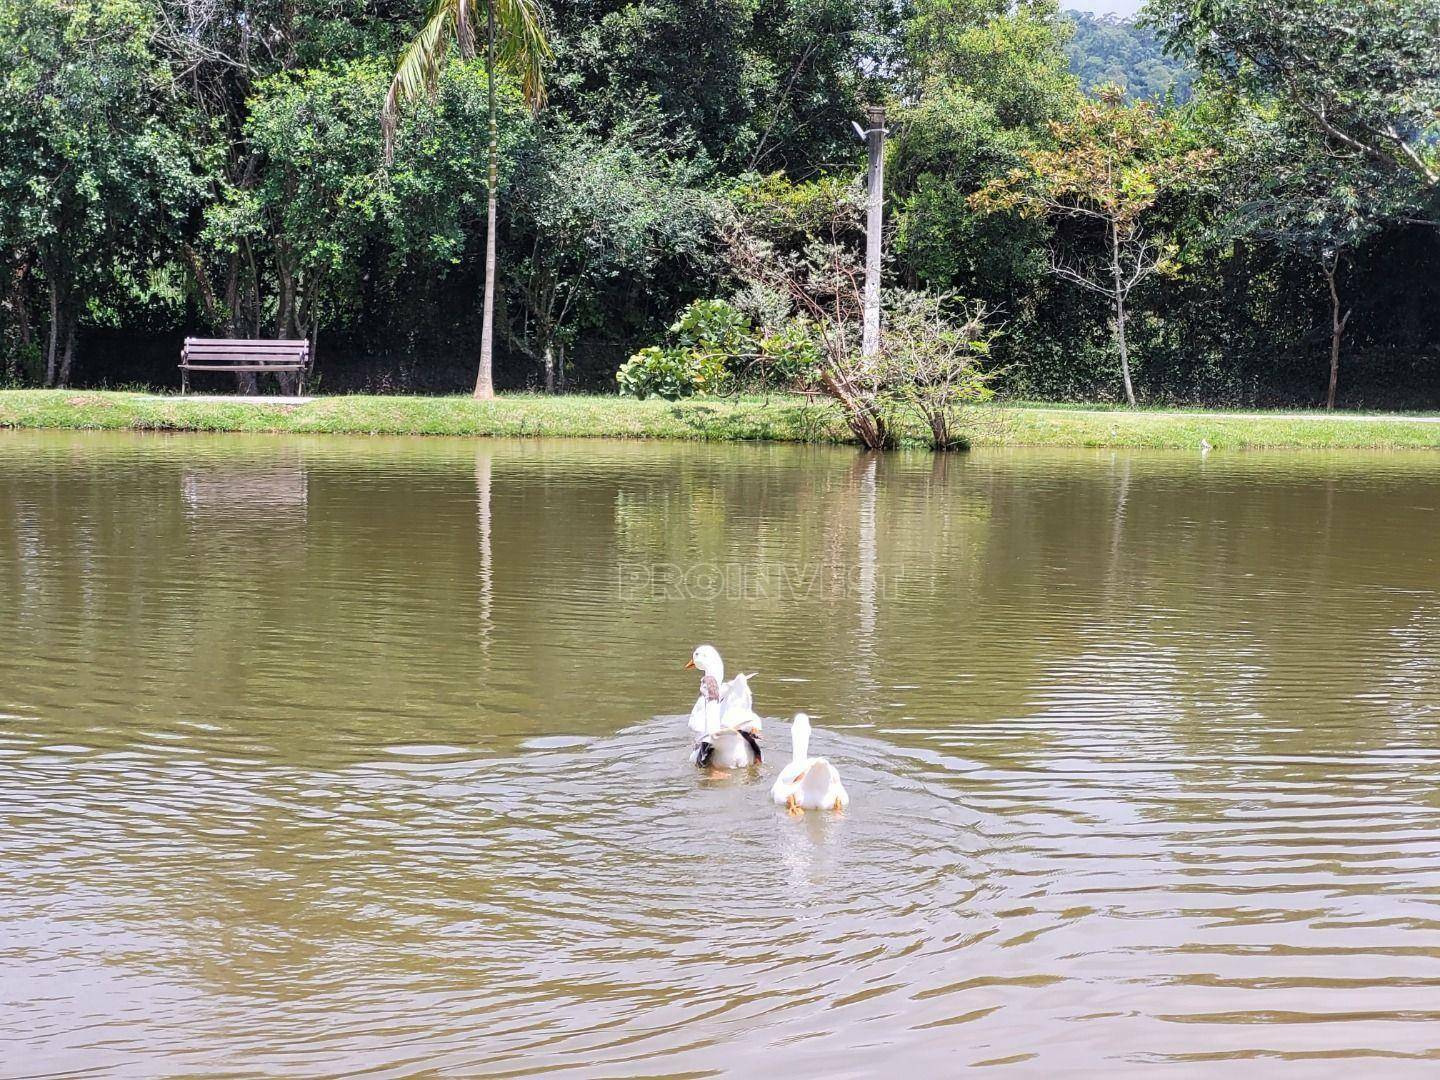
[723,715]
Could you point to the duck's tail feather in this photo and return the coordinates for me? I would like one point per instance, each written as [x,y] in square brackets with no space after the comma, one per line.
[704,751]
[753,739]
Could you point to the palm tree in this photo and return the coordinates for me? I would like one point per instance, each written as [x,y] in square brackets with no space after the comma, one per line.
[515,42]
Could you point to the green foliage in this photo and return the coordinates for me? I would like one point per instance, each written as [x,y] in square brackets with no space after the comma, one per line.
[93,173]
[712,327]
[1286,188]
[989,79]
[789,355]
[742,86]
[599,220]
[1105,171]
[1009,57]
[932,356]
[670,373]
[516,43]
[165,172]
[951,146]
[1109,50]
[709,339]
[1365,74]
[319,206]
[1111,163]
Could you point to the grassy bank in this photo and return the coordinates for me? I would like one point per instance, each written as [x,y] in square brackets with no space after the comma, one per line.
[781,419]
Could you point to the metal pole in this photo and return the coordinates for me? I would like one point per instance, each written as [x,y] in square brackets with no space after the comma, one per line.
[874,221]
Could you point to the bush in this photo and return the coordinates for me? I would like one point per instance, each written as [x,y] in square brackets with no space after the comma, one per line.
[790,356]
[710,338]
[932,351]
[670,373]
[712,326]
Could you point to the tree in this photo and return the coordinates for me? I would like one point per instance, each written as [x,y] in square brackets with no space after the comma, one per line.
[598,219]
[1295,193]
[514,43]
[1009,57]
[1108,49]
[987,79]
[746,87]
[1365,73]
[319,221]
[1107,168]
[933,349]
[93,176]
[803,242]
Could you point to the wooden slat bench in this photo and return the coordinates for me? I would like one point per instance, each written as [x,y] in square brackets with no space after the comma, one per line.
[243,354]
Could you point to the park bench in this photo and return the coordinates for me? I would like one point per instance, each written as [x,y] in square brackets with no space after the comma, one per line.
[244,354]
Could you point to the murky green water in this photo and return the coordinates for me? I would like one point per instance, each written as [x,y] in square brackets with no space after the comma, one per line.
[360,757]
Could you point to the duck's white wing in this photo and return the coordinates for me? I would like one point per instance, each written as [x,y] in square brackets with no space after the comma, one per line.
[741,716]
[786,783]
[699,715]
[737,692]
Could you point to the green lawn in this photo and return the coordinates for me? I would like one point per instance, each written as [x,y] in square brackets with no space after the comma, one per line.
[782,419]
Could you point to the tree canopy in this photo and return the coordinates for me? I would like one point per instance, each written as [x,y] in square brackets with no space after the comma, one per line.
[173,167]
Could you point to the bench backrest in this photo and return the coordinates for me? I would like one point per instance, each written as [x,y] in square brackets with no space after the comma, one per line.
[281,353]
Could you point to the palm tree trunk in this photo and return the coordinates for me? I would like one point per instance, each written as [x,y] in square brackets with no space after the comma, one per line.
[484,381]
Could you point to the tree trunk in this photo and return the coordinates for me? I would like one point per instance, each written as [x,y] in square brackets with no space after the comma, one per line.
[1329,268]
[549,368]
[60,351]
[203,288]
[1124,351]
[52,349]
[245,382]
[484,380]
[1119,295]
[67,358]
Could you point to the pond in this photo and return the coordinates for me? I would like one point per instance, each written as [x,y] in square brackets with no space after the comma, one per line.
[330,756]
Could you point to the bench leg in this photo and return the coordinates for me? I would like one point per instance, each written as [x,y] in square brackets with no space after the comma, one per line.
[184,381]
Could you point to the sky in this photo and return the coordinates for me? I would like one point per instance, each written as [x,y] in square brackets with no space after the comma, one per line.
[1104,7]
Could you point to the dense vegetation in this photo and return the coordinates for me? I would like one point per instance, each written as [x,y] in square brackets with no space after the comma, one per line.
[216,166]
[1106,50]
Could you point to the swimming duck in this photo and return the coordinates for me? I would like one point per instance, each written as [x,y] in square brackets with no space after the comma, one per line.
[732,735]
[713,689]
[808,783]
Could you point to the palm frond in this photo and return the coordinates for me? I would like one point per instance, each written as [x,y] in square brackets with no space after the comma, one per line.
[418,72]
[521,50]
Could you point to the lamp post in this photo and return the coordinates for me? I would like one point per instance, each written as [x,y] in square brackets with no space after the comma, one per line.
[874,137]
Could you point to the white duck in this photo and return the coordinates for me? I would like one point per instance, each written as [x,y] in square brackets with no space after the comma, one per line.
[732,734]
[713,689]
[808,783]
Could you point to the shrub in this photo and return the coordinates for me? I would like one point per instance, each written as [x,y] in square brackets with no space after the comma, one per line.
[670,373]
[712,326]
[709,337]
[931,354]
[790,356]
